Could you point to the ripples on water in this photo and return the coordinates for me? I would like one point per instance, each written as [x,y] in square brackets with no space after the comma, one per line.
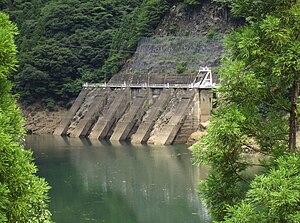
[94,181]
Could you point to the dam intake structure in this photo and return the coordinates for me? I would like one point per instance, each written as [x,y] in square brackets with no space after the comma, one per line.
[161,112]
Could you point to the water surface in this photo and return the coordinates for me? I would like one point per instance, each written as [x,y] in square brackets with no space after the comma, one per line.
[98,182]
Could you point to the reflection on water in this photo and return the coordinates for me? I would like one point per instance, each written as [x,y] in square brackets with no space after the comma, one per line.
[98,182]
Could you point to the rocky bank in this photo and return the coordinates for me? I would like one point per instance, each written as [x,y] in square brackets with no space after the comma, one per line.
[41,121]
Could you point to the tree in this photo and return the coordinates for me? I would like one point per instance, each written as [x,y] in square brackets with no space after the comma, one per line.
[23,195]
[273,197]
[258,101]
[64,43]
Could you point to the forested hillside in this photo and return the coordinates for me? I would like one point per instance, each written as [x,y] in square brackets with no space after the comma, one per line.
[64,43]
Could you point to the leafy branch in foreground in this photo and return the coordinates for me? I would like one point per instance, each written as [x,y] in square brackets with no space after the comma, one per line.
[23,195]
[273,197]
[258,100]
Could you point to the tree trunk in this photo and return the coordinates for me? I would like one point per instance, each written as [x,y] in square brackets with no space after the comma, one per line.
[293,117]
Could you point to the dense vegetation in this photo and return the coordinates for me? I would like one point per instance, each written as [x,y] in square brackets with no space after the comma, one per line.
[63,44]
[23,195]
[258,112]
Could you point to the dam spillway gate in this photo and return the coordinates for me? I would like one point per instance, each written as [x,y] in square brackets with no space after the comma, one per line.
[140,112]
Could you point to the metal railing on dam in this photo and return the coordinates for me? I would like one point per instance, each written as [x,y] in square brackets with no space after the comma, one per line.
[203,80]
[145,85]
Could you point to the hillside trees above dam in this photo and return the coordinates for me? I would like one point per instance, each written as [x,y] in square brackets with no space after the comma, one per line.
[63,44]
[258,113]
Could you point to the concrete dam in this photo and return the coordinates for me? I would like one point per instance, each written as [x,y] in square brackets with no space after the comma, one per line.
[138,111]
[159,97]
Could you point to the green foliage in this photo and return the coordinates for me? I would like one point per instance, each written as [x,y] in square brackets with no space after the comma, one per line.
[212,32]
[23,196]
[181,67]
[227,182]
[7,46]
[192,2]
[273,197]
[63,44]
[66,43]
[258,75]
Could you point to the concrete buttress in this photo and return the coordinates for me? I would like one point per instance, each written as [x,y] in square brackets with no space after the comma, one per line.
[95,108]
[63,126]
[143,132]
[135,112]
[205,105]
[105,123]
[170,130]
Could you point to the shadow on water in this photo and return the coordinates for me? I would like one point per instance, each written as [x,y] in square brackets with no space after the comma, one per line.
[96,181]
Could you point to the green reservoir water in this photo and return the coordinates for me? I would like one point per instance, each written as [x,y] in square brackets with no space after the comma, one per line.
[98,182]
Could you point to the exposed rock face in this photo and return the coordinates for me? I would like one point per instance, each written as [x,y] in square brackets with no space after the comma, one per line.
[187,38]
[157,57]
[201,20]
[41,121]
[195,136]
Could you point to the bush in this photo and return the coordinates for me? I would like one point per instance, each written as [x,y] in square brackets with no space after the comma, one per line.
[181,68]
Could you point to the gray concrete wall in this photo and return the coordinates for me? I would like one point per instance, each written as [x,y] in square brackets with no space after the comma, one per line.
[191,122]
[126,123]
[205,105]
[143,132]
[83,109]
[92,114]
[170,130]
[63,126]
[105,123]
[125,114]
